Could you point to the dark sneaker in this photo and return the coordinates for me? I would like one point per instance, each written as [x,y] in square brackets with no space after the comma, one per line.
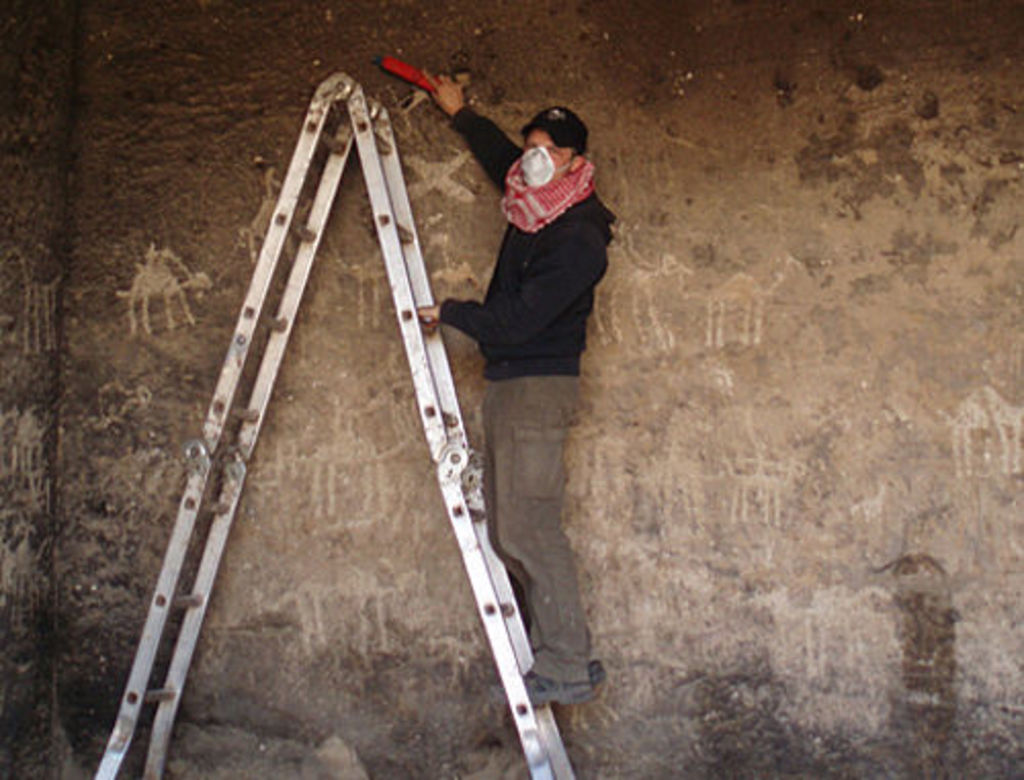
[595,671]
[543,690]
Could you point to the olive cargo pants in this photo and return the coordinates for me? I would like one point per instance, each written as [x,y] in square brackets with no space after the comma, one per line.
[526,420]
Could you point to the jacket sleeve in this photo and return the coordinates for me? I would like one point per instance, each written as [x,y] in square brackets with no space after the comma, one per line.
[553,281]
[489,144]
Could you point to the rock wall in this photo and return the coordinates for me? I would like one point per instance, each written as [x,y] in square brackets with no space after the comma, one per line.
[795,484]
[35,105]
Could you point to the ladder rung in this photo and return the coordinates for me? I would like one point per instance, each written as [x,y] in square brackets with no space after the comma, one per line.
[304,233]
[190,601]
[160,694]
[334,144]
[247,415]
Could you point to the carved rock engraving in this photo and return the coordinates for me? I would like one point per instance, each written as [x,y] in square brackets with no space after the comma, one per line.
[22,461]
[251,236]
[164,275]
[984,426]
[438,176]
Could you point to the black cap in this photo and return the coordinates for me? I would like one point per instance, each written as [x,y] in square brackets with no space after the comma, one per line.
[564,127]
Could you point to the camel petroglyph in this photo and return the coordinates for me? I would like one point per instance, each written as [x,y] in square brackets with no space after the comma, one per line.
[736,308]
[39,308]
[252,235]
[22,460]
[165,275]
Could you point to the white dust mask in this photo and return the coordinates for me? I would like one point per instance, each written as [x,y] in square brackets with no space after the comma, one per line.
[538,167]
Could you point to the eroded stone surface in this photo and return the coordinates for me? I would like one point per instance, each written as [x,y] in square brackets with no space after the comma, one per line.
[795,484]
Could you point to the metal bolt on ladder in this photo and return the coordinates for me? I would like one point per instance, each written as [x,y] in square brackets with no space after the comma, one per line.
[458,471]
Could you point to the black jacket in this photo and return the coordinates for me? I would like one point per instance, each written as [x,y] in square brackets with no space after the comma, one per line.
[533,319]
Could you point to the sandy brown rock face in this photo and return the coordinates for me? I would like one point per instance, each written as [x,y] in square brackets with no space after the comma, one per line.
[35,106]
[795,484]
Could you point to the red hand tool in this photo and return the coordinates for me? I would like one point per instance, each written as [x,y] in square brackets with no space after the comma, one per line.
[405,71]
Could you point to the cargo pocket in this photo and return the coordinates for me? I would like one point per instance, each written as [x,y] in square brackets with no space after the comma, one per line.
[539,471]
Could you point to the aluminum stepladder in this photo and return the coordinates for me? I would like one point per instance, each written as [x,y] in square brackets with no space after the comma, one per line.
[458,474]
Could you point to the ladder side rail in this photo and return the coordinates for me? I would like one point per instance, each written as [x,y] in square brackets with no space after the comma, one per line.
[335,88]
[546,722]
[503,587]
[227,383]
[438,358]
[524,717]
[231,492]
[445,385]
[270,253]
[216,540]
[391,247]
[417,273]
[231,372]
[294,289]
[441,372]
[440,367]
[552,740]
[451,459]
[142,666]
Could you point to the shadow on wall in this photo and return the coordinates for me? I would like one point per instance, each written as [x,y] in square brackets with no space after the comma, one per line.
[924,712]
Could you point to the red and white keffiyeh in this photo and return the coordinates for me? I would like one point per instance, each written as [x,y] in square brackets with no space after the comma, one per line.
[531,208]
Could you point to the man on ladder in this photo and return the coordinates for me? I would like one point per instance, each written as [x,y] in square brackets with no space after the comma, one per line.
[531,328]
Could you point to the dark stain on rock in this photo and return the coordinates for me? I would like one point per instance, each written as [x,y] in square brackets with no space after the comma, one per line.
[990,193]
[995,219]
[833,326]
[912,256]
[703,255]
[784,88]
[925,709]
[818,160]
[893,144]
[952,173]
[706,256]
[740,733]
[871,284]
[868,77]
[846,159]
[927,107]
